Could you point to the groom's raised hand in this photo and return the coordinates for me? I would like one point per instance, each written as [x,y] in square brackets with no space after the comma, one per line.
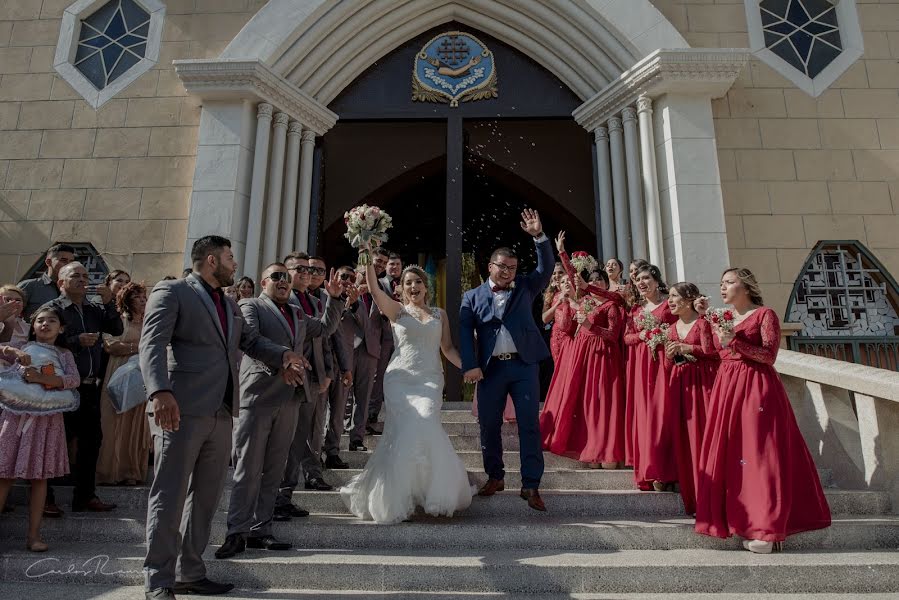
[472,376]
[530,222]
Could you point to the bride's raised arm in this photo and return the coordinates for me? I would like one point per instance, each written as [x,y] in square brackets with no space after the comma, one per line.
[389,307]
[446,342]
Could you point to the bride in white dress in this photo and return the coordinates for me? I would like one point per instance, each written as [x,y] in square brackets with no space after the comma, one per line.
[414,463]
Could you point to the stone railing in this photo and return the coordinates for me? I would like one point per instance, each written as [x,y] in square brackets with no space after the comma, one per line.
[849,415]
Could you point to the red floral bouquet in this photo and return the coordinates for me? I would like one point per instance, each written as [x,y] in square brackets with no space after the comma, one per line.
[722,318]
[653,332]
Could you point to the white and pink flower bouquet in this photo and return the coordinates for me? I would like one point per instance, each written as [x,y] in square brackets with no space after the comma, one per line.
[582,261]
[653,332]
[366,225]
[722,318]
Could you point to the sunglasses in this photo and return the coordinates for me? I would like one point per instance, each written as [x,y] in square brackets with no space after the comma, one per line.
[278,276]
[345,276]
[317,270]
[302,269]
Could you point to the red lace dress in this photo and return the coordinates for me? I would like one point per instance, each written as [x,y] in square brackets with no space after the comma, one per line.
[563,329]
[652,414]
[757,477]
[690,384]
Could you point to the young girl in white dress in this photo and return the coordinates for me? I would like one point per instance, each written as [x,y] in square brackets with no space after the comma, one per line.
[414,463]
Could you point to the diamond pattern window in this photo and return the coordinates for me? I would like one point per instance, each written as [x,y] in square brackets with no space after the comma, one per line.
[105,45]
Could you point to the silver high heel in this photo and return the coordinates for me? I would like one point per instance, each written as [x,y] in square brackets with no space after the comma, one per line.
[762,547]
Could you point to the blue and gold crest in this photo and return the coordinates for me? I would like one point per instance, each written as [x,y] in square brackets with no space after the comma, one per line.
[454,67]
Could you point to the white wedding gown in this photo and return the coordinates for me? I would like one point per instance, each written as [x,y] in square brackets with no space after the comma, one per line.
[414,463]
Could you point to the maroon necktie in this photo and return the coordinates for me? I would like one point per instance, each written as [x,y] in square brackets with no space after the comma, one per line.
[220,309]
[366,298]
[307,306]
[284,311]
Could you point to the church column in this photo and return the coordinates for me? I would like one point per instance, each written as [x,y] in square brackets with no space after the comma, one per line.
[304,204]
[650,184]
[606,213]
[619,189]
[275,187]
[288,198]
[634,195]
[257,190]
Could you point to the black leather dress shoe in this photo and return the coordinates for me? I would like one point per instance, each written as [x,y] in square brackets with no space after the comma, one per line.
[203,587]
[289,510]
[318,485]
[234,544]
[358,447]
[160,594]
[267,542]
[335,462]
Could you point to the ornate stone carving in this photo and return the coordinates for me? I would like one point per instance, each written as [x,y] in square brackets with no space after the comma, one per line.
[629,114]
[601,135]
[295,128]
[701,71]
[644,104]
[615,125]
[281,119]
[239,79]
[264,111]
[308,136]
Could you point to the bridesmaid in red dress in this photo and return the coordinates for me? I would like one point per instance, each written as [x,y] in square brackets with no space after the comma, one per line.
[652,414]
[693,362]
[757,477]
[557,310]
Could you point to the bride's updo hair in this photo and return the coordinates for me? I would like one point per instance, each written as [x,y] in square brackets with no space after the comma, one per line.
[424,278]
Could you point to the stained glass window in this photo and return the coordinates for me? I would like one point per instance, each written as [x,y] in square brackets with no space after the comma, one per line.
[804,33]
[113,39]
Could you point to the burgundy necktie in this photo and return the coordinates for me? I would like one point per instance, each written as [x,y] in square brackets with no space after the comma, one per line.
[220,309]
[366,298]
[289,317]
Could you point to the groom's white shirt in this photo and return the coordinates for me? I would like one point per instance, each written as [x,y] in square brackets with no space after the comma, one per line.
[504,342]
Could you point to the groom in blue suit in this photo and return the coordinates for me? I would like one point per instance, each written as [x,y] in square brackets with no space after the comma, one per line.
[509,348]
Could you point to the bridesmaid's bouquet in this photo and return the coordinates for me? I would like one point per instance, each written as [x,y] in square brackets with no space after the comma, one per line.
[582,261]
[366,225]
[653,332]
[722,318]
[586,307]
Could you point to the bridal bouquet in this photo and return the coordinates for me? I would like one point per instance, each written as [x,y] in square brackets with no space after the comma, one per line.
[653,332]
[366,225]
[582,261]
[722,318]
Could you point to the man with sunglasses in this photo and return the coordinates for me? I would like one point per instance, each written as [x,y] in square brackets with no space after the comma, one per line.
[504,360]
[269,408]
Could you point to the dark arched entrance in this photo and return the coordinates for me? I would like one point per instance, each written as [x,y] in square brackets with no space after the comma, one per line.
[455,178]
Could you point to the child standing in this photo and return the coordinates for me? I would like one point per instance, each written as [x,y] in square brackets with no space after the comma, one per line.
[33,397]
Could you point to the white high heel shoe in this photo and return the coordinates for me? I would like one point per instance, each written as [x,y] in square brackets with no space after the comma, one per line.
[761,547]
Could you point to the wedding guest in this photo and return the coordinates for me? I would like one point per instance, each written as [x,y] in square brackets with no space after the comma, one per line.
[246,288]
[115,280]
[630,293]
[615,269]
[693,363]
[585,421]
[390,283]
[13,328]
[126,436]
[757,477]
[190,337]
[85,323]
[652,416]
[342,374]
[45,288]
[33,446]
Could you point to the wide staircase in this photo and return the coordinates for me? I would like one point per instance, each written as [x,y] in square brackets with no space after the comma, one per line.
[599,539]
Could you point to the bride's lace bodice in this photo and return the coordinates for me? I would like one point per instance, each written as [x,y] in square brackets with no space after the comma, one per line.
[417,344]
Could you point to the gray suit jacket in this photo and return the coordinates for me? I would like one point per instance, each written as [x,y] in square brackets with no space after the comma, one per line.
[261,384]
[184,350]
[365,324]
[313,349]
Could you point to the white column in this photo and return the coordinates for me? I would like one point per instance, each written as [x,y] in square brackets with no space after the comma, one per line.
[619,191]
[650,184]
[305,192]
[289,198]
[606,213]
[275,186]
[257,190]
[634,194]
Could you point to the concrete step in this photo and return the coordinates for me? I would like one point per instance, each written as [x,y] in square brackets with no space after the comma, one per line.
[567,503]
[474,461]
[340,532]
[460,442]
[106,592]
[471,570]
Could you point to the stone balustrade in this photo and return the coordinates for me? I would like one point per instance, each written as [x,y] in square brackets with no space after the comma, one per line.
[849,415]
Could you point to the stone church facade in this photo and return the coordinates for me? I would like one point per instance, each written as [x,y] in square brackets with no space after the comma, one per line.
[711,141]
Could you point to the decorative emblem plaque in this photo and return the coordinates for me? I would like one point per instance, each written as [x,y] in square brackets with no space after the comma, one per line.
[454,67]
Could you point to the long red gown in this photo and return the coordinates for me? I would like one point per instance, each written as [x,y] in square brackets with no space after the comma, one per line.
[588,421]
[757,477]
[563,329]
[691,384]
[652,414]
[561,346]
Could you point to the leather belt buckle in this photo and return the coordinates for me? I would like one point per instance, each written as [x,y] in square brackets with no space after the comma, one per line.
[90,381]
[505,356]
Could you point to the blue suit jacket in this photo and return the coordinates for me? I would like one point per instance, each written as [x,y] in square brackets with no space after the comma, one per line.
[476,315]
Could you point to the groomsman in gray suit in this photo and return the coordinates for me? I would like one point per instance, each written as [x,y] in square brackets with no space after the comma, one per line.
[390,283]
[343,377]
[268,410]
[361,329]
[191,336]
